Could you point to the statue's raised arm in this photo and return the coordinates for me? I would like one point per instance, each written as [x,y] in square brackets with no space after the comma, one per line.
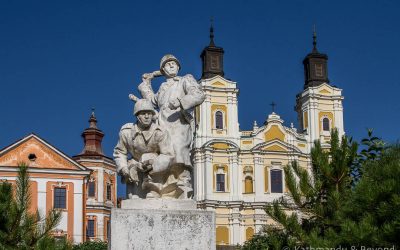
[145,88]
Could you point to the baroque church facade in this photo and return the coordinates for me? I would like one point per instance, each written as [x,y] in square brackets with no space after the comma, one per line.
[236,172]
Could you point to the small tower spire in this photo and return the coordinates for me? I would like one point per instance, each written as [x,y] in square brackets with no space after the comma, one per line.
[315,66]
[212,57]
[212,44]
[273,105]
[255,126]
[93,120]
[314,40]
[92,138]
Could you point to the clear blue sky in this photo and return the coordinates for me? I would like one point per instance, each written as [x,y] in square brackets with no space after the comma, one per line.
[60,58]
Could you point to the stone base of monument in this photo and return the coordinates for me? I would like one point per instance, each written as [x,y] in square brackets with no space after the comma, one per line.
[161,224]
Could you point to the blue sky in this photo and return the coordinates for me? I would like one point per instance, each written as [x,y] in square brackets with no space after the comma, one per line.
[60,58]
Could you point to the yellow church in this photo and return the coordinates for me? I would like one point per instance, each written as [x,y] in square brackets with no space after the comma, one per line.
[236,173]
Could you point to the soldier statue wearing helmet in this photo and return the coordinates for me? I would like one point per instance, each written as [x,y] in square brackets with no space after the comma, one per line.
[176,99]
[151,151]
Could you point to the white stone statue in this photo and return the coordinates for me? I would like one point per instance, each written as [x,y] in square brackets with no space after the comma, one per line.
[151,151]
[176,100]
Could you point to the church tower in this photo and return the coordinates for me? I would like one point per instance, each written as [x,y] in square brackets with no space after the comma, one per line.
[212,59]
[218,115]
[315,67]
[319,105]
[101,187]
[217,127]
[217,144]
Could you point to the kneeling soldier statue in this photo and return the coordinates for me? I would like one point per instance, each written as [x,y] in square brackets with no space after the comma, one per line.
[146,174]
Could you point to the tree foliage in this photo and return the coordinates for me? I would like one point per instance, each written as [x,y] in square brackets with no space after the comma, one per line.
[325,207]
[21,229]
[373,147]
[371,216]
[91,245]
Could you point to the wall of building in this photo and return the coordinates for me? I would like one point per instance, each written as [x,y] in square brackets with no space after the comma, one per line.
[247,159]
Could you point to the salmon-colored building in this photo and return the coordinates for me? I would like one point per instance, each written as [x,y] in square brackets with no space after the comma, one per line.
[82,187]
[101,186]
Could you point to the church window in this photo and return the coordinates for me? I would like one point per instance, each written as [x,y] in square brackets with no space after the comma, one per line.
[91,188]
[32,157]
[249,233]
[276,181]
[219,123]
[325,124]
[248,185]
[108,229]
[108,191]
[220,182]
[222,235]
[90,228]
[60,196]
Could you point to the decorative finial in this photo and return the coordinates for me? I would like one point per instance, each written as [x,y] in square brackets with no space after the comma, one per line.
[314,39]
[212,32]
[93,109]
[273,104]
[255,126]
[93,120]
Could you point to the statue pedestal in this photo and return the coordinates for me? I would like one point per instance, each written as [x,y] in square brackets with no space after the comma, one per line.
[161,224]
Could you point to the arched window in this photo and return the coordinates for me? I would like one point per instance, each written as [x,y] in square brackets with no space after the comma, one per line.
[248,185]
[249,233]
[276,181]
[325,124]
[219,122]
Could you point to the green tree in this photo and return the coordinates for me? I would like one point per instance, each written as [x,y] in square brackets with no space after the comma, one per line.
[91,245]
[20,229]
[308,215]
[371,216]
[372,148]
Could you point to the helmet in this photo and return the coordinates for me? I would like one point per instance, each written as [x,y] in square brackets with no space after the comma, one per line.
[168,58]
[143,105]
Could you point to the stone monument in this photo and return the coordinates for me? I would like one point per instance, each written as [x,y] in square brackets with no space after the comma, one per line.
[153,158]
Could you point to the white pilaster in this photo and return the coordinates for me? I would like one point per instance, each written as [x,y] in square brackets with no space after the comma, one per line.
[235,123]
[100,227]
[100,185]
[235,227]
[258,223]
[208,172]
[78,214]
[41,195]
[234,177]
[258,178]
[198,176]
[207,118]
[231,118]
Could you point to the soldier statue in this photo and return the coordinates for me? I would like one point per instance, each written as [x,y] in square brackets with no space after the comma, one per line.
[175,100]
